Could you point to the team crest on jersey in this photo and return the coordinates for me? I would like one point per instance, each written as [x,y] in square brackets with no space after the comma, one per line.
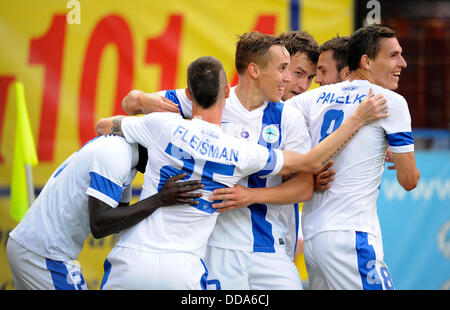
[271,133]
[244,134]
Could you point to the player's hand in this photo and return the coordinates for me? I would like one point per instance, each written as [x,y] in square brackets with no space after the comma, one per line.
[323,177]
[150,103]
[372,108]
[233,198]
[389,159]
[173,192]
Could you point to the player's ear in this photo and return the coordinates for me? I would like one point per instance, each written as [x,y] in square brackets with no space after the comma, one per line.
[188,94]
[345,73]
[253,70]
[227,90]
[365,62]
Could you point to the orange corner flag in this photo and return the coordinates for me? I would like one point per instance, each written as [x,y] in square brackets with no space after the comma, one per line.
[24,154]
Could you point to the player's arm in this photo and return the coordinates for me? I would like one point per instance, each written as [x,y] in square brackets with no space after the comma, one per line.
[105,220]
[299,188]
[296,189]
[138,102]
[110,126]
[407,173]
[371,108]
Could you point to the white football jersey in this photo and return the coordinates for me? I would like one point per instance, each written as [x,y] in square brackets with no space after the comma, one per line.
[259,227]
[350,202]
[205,153]
[57,223]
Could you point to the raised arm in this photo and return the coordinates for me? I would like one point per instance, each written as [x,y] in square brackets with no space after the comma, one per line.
[372,108]
[138,102]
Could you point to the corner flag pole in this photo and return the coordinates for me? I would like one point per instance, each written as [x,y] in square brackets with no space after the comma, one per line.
[22,189]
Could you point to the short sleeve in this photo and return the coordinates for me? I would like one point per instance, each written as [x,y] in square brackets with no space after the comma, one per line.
[259,160]
[110,173]
[142,129]
[178,96]
[273,165]
[398,126]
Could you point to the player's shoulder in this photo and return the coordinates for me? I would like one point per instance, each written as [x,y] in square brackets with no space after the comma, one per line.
[111,151]
[161,117]
[344,86]
[107,140]
[366,85]
[291,113]
[392,97]
[179,93]
[311,93]
[112,143]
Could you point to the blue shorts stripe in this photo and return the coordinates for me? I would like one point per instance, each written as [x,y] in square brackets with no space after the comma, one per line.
[59,274]
[105,186]
[366,263]
[106,272]
[214,282]
[203,279]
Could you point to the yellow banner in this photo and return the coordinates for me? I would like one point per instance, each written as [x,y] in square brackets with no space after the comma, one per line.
[78,59]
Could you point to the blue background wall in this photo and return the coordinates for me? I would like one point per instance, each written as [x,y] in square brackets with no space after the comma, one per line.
[416,225]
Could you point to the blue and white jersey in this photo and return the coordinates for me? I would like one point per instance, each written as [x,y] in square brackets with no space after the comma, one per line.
[350,202]
[57,224]
[205,153]
[259,227]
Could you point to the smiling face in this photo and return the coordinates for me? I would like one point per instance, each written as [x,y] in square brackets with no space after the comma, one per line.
[327,72]
[274,76]
[385,69]
[302,72]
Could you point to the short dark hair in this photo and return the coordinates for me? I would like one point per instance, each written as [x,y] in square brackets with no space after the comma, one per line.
[366,41]
[204,80]
[301,41]
[338,46]
[252,47]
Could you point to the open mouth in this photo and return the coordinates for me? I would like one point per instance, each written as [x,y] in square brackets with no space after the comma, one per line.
[396,74]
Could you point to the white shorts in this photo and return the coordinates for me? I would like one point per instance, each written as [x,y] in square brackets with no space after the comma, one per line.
[31,271]
[132,269]
[243,270]
[346,260]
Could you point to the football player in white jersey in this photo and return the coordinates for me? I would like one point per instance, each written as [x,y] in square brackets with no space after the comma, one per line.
[343,244]
[304,51]
[169,255]
[264,234]
[81,197]
[332,66]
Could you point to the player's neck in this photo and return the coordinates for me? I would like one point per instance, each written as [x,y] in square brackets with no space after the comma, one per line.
[248,95]
[211,115]
[360,74]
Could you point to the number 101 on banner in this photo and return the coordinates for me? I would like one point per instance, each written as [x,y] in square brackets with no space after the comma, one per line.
[49,52]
